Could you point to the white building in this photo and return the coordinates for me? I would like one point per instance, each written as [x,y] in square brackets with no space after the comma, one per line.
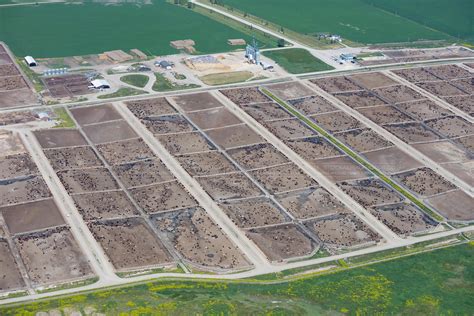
[30,61]
[100,84]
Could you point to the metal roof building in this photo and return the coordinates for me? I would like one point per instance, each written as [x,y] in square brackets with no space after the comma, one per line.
[30,61]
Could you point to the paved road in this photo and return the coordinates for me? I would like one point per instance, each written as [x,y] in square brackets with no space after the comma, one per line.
[89,246]
[406,148]
[329,185]
[253,253]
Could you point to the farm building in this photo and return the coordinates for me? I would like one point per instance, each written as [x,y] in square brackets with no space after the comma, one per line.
[252,53]
[30,61]
[164,64]
[100,84]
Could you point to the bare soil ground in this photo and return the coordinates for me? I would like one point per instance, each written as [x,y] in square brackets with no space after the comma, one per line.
[205,164]
[125,151]
[372,80]
[12,83]
[415,74]
[254,212]
[199,240]
[257,156]
[440,88]
[214,118]
[52,256]
[466,84]
[53,138]
[283,178]
[452,126]
[95,114]
[8,70]
[229,186]
[289,129]
[313,148]
[467,142]
[411,132]
[10,277]
[397,94]
[23,190]
[109,132]
[87,180]
[340,168]
[336,122]
[185,143]
[425,182]
[403,219]
[234,136]
[265,111]
[162,197]
[384,115]
[144,172]
[442,151]
[360,99]
[310,203]
[313,105]
[10,144]
[17,165]
[150,107]
[447,72]
[104,205]
[423,109]
[130,243]
[336,84]
[241,96]
[364,139]
[464,103]
[370,192]
[463,170]
[196,101]
[290,90]
[14,98]
[73,157]
[455,205]
[391,160]
[168,124]
[32,216]
[342,231]
[283,242]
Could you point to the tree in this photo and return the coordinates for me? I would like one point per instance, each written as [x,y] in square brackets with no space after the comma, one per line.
[281,42]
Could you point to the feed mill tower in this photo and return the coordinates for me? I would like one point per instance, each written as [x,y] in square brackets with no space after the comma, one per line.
[252,52]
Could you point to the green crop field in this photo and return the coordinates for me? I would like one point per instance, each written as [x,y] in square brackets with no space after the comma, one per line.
[440,282]
[355,20]
[297,60]
[57,30]
[454,17]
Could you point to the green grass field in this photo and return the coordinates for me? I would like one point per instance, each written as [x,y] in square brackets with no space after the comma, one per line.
[122,92]
[433,283]
[58,30]
[297,60]
[454,17]
[139,81]
[163,84]
[355,20]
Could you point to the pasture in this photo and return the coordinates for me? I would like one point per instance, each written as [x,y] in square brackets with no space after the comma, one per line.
[355,20]
[58,30]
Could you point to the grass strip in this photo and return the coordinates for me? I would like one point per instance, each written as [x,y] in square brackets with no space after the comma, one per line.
[355,156]
[64,119]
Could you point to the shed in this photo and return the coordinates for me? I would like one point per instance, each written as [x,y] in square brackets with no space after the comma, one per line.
[100,84]
[30,61]
[164,64]
[266,66]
